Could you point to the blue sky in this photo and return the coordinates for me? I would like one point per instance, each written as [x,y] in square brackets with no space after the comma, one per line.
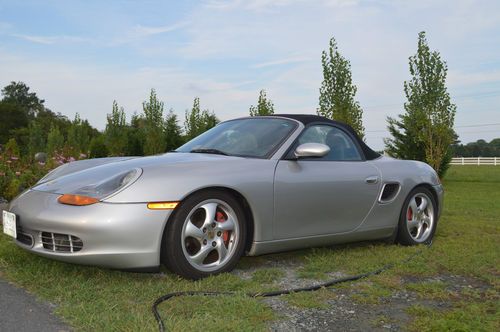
[81,55]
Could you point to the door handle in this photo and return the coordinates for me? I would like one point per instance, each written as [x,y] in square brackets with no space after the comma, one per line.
[371,179]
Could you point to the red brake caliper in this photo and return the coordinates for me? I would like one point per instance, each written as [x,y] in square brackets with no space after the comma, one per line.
[409,214]
[219,217]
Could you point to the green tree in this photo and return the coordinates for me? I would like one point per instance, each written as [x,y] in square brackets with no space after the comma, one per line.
[480,148]
[19,94]
[37,138]
[12,117]
[208,120]
[173,132]
[135,136]
[78,136]
[154,132]
[193,120]
[495,143]
[264,106]
[425,131]
[55,140]
[116,133]
[12,149]
[337,92]
[198,121]
[97,147]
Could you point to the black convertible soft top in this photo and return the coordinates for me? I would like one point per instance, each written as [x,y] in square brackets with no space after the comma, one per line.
[311,118]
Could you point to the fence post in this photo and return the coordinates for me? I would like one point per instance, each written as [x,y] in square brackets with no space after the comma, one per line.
[495,161]
[462,160]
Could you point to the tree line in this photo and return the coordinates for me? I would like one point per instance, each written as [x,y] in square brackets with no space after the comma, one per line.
[480,148]
[423,131]
[28,127]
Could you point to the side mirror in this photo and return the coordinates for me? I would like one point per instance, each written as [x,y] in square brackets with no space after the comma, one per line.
[311,150]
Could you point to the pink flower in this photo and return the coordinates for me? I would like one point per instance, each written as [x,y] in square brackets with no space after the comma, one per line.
[71,159]
[60,162]
[83,155]
[14,158]
[18,173]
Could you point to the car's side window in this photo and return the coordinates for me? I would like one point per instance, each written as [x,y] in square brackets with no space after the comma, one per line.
[342,147]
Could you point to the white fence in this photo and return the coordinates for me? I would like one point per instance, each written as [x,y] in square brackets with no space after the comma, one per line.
[494,161]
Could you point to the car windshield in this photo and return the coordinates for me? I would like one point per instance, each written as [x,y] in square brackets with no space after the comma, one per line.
[251,137]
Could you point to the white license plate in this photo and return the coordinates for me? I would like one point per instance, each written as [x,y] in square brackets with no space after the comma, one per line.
[9,223]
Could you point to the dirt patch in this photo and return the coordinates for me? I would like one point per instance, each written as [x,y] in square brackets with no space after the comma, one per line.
[343,310]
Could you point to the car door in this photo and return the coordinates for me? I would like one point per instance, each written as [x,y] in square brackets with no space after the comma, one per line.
[328,195]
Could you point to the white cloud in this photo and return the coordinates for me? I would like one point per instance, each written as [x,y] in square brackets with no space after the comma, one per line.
[283,61]
[139,32]
[457,78]
[50,40]
[254,5]
[341,3]
[142,31]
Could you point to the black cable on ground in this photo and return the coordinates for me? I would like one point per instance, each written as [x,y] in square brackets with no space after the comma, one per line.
[166,297]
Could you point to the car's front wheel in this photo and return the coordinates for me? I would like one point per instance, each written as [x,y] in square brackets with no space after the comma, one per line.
[418,219]
[206,235]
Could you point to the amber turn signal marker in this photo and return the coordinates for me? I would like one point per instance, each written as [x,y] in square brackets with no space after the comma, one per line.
[76,200]
[162,205]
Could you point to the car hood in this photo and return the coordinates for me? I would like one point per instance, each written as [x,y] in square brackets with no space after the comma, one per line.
[68,178]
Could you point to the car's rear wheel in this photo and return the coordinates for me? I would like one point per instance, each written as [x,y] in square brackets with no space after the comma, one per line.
[206,235]
[418,220]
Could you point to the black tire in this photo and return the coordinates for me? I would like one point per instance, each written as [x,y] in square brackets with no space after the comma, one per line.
[408,235]
[175,254]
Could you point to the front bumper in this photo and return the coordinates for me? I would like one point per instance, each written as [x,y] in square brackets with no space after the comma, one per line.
[121,236]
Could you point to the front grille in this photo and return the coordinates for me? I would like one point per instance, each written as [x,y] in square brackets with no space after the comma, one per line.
[61,242]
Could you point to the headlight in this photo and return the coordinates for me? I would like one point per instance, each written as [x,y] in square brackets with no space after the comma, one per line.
[93,193]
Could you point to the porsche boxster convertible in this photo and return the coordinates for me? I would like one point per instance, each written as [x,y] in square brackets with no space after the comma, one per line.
[251,186]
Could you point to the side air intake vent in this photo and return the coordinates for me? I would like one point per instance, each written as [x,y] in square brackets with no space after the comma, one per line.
[389,192]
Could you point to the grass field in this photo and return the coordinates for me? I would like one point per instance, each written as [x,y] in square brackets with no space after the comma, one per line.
[455,283]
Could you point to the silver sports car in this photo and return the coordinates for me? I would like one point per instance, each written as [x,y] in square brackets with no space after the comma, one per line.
[251,186]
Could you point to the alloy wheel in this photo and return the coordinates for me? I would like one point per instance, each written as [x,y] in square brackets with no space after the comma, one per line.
[210,235]
[420,217]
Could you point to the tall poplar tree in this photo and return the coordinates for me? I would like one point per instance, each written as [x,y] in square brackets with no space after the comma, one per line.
[425,130]
[198,121]
[55,140]
[78,136]
[337,92]
[154,134]
[116,131]
[264,105]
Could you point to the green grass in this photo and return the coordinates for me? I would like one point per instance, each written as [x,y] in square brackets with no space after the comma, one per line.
[267,276]
[308,300]
[435,290]
[476,316]
[467,244]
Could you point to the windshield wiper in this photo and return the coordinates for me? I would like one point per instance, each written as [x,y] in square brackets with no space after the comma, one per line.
[211,151]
